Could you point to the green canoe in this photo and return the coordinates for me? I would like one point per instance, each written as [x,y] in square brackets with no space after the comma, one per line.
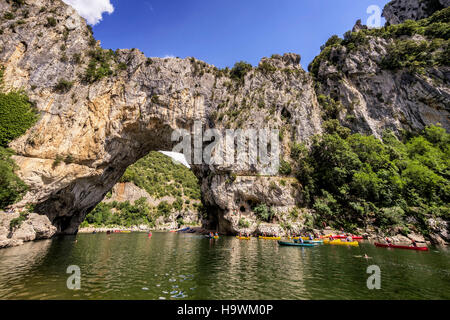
[292,244]
[313,241]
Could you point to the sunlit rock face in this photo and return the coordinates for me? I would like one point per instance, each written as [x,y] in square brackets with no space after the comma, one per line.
[91,130]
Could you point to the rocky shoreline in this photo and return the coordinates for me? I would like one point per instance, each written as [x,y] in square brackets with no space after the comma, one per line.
[38,227]
[396,239]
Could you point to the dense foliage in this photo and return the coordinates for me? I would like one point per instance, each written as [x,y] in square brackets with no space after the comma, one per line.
[16,116]
[160,176]
[123,214]
[401,53]
[263,212]
[353,180]
[11,187]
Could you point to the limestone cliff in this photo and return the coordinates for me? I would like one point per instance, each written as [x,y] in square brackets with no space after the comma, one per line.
[398,11]
[101,111]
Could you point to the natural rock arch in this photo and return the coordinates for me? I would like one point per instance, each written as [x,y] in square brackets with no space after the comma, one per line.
[101,125]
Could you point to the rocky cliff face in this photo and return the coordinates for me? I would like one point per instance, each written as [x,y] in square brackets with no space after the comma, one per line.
[101,111]
[398,11]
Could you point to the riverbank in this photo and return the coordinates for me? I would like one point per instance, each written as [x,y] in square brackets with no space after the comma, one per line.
[399,239]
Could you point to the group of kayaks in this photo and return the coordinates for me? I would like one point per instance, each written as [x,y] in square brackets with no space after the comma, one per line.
[338,240]
[315,242]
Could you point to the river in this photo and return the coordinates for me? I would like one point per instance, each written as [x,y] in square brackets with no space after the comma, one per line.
[185,266]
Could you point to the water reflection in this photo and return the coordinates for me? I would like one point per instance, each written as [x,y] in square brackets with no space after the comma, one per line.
[184,266]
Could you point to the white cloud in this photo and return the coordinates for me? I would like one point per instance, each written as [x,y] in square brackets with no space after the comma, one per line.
[91,10]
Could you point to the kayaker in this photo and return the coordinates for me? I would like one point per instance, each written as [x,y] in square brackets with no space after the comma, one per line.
[349,239]
[414,244]
[389,242]
[216,234]
[311,237]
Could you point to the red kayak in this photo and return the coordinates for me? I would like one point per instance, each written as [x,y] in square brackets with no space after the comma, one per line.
[381,245]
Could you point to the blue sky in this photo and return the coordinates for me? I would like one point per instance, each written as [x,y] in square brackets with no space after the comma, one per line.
[224,32]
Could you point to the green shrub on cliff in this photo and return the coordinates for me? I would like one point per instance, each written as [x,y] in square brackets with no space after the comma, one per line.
[11,187]
[263,212]
[354,180]
[239,71]
[100,65]
[16,116]
[401,53]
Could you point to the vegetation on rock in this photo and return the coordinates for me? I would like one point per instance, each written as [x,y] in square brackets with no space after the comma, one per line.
[161,177]
[16,117]
[352,180]
[157,174]
[415,54]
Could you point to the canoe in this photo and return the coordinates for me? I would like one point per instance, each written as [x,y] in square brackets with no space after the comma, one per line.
[342,243]
[313,241]
[292,244]
[243,238]
[381,245]
[269,238]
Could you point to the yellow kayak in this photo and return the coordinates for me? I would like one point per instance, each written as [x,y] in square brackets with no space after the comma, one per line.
[125,231]
[304,238]
[341,243]
[243,238]
[269,238]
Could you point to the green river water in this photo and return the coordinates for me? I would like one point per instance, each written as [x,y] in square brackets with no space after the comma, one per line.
[184,266]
